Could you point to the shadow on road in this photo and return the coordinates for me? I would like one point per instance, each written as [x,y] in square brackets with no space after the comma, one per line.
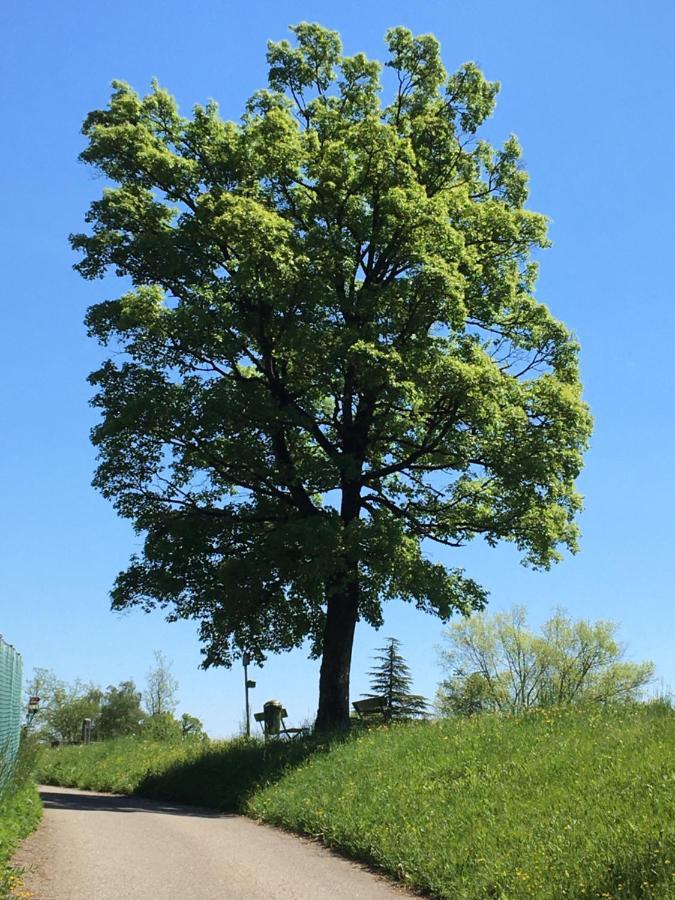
[82,802]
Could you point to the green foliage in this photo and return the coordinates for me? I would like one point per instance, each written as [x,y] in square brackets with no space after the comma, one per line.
[391,680]
[162,727]
[114,713]
[118,765]
[471,809]
[20,811]
[332,298]
[497,664]
[63,707]
[551,804]
[121,712]
[191,725]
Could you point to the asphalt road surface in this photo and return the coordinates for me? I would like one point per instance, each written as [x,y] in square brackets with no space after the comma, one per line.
[94,846]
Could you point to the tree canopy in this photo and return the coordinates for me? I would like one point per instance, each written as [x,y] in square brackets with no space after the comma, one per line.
[496,663]
[330,353]
[63,707]
[121,712]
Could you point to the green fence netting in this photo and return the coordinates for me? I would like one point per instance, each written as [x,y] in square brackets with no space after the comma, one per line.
[10,709]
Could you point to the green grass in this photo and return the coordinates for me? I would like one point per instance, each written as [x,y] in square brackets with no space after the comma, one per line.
[549,805]
[20,812]
[220,774]
[117,766]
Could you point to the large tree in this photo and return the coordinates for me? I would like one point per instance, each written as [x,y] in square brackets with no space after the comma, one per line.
[330,354]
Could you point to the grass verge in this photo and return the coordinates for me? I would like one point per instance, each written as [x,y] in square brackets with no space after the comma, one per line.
[551,805]
[219,774]
[20,812]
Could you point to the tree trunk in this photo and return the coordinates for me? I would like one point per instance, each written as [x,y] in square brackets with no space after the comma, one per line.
[341,617]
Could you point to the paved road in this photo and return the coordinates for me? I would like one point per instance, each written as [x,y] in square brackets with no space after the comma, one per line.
[94,846]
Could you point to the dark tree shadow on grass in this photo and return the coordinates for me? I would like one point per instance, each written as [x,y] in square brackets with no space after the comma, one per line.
[224,777]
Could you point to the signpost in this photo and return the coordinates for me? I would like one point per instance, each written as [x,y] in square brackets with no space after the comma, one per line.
[246,659]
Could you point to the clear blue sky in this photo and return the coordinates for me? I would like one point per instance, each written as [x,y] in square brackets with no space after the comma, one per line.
[589,90]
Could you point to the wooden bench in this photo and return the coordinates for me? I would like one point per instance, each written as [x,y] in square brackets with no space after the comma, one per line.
[370,707]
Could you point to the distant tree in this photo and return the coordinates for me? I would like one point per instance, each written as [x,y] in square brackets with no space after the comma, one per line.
[391,680]
[163,726]
[330,352]
[191,725]
[43,684]
[495,663]
[465,695]
[63,706]
[75,704]
[121,712]
[161,687]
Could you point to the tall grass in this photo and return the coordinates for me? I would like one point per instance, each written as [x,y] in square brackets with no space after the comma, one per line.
[20,811]
[220,774]
[550,805]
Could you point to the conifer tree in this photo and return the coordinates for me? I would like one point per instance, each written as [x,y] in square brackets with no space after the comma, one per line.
[391,680]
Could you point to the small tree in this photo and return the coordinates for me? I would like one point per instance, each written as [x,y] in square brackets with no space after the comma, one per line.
[391,680]
[161,687]
[191,725]
[465,695]
[121,712]
[497,664]
[43,684]
[75,704]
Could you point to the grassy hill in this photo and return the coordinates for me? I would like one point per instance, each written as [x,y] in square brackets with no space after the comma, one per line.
[555,805]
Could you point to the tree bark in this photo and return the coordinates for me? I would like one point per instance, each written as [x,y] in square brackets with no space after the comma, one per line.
[341,617]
